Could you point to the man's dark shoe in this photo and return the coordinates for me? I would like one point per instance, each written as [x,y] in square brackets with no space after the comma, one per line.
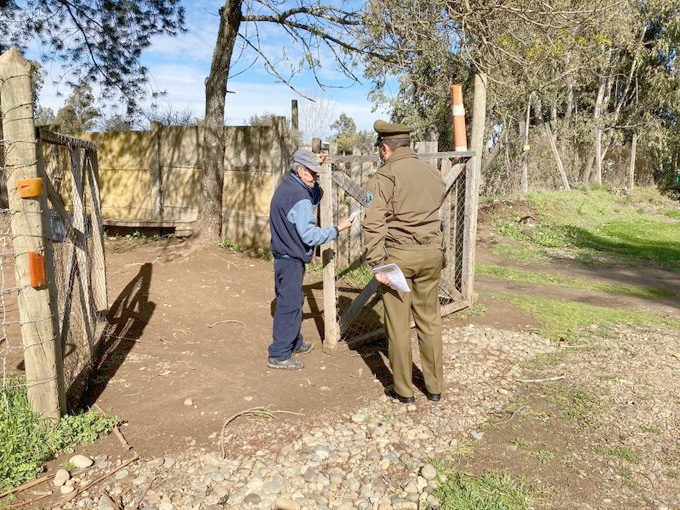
[400,398]
[434,397]
[286,364]
[304,348]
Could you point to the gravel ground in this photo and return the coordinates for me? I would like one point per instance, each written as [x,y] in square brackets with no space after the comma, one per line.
[378,457]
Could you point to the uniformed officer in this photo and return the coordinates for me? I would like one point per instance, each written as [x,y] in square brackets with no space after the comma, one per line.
[403,226]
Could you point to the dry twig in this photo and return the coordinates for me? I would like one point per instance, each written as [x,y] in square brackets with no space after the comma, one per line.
[135,506]
[556,378]
[116,430]
[252,411]
[228,320]
[26,486]
[72,495]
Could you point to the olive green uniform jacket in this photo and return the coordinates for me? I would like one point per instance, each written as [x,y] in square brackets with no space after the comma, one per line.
[407,194]
[403,226]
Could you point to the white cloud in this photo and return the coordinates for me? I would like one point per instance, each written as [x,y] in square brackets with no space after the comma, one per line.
[180,65]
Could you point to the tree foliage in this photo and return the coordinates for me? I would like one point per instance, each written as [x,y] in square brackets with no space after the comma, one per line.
[590,74]
[321,35]
[346,136]
[96,41]
[79,113]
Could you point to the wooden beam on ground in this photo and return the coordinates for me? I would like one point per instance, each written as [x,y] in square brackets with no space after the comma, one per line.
[349,316]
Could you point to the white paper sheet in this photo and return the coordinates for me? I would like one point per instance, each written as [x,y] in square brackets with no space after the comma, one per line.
[397,278]
[356,214]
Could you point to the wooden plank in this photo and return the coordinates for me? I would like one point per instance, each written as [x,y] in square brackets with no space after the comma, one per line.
[453,307]
[331,335]
[453,175]
[449,288]
[350,315]
[42,351]
[78,189]
[469,232]
[375,158]
[155,170]
[65,141]
[473,178]
[99,287]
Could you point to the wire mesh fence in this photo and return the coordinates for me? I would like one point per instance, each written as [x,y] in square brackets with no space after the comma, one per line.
[73,255]
[75,252]
[357,294]
[11,349]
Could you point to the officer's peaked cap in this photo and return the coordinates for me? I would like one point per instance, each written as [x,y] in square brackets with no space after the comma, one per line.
[387,131]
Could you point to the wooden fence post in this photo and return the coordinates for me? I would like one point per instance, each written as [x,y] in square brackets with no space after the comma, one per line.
[330,315]
[473,179]
[42,351]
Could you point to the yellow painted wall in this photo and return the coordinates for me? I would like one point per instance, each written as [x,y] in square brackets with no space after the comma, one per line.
[155,176]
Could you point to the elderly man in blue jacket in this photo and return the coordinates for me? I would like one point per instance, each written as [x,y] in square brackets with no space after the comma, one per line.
[294,232]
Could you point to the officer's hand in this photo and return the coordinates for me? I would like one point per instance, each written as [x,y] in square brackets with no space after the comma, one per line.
[383,278]
[344,224]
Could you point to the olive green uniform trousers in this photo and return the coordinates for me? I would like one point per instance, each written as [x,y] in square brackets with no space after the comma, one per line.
[421,269]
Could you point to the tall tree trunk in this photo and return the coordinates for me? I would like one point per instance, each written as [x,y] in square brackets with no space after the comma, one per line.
[631,172]
[524,133]
[553,144]
[598,132]
[209,224]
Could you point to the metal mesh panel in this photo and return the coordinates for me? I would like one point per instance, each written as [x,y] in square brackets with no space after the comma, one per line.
[72,249]
[11,349]
[358,300]
[74,261]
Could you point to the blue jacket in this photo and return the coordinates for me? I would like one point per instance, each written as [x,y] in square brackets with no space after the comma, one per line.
[292,220]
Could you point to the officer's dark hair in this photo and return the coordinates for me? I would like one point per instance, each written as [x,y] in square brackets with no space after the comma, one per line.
[395,143]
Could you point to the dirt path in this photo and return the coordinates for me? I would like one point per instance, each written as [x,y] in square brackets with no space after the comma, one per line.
[198,331]
[189,351]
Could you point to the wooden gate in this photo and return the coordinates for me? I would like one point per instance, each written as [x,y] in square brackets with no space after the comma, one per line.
[352,305]
[74,236]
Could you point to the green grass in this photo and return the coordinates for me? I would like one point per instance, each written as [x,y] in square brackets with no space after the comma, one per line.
[557,280]
[358,276]
[622,453]
[490,491]
[524,253]
[570,320]
[26,442]
[261,253]
[580,405]
[544,456]
[587,225]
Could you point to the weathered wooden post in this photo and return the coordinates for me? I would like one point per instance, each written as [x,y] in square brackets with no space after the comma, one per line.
[330,314]
[473,179]
[42,351]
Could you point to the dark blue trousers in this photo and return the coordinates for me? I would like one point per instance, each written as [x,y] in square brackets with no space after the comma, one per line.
[288,277]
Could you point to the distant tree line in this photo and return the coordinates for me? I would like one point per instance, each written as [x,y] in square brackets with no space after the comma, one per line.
[578,90]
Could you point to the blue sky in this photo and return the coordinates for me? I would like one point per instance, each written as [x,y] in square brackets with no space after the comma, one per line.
[179,66]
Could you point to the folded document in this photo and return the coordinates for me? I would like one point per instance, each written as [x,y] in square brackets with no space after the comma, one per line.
[397,278]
